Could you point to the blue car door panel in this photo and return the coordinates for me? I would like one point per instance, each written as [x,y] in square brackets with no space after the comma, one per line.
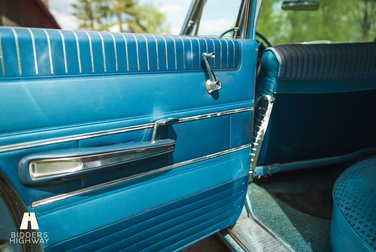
[80,145]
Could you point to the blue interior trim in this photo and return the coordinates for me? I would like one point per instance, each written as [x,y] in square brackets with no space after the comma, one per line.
[190,214]
[62,53]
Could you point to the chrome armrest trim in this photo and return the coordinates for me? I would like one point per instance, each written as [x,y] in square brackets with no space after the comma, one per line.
[63,196]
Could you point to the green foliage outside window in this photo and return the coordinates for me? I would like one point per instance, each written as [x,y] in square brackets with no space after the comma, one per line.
[127,15]
[336,21]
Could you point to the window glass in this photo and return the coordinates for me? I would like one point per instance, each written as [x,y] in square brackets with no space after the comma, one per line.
[336,21]
[217,17]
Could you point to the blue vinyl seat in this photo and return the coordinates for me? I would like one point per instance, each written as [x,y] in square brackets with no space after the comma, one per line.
[320,115]
[353,226]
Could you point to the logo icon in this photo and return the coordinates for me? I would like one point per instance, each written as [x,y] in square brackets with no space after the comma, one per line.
[29,217]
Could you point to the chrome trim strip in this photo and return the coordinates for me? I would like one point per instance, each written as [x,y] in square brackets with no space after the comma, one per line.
[207,50]
[147,50]
[34,50]
[63,196]
[182,42]
[49,50]
[213,51]
[176,63]
[64,52]
[220,48]
[138,57]
[31,144]
[227,51]
[2,58]
[78,51]
[156,50]
[199,53]
[126,50]
[264,107]
[166,51]
[190,41]
[233,45]
[18,51]
[115,51]
[77,161]
[91,51]
[103,52]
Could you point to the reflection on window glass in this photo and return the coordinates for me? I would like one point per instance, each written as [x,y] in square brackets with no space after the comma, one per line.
[336,21]
[218,16]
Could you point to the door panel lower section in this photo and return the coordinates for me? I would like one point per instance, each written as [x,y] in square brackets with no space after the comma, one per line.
[73,216]
[164,226]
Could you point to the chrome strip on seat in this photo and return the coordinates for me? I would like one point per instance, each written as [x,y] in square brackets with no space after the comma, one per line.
[31,144]
[53,199]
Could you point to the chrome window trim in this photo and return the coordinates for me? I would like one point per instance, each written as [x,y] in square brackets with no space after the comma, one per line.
[37,143]
[63,196]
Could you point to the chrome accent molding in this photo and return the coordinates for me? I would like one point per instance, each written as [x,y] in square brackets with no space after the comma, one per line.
[50,53]
[115,51]
[78,51]
[31,144]
[199,53]
[91,51]
[182,42]
[126,50]
[63,196]
[104,53]
[166,51]
[206,43]
[176,63]
[34,50]
[138,56]
[64,51]
[17,50]
[2,58]
[190,41]
[261,116]
[227,52]
[156,50]
[147,51]
[213,50]
[220,48]
[83,160]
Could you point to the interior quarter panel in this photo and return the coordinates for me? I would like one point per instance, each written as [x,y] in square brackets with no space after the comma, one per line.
[109,88]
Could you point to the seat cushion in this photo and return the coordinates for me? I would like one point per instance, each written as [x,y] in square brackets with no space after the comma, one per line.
[353,226]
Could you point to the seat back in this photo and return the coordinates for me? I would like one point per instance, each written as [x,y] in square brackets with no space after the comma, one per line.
[324,102]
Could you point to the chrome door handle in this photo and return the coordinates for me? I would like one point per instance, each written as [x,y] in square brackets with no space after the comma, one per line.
[212,84]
